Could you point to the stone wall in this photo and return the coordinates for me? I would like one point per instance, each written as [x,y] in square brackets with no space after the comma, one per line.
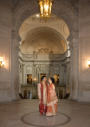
[5,50]
[42,64]
[84,50]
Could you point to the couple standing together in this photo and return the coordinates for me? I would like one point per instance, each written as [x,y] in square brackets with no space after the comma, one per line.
[47,97]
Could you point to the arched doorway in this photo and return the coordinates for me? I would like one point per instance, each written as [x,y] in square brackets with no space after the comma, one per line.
[44,50]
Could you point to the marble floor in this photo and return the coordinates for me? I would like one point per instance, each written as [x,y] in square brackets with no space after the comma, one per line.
[24,113]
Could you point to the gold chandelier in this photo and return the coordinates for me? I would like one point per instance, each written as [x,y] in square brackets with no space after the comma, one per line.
[45,8]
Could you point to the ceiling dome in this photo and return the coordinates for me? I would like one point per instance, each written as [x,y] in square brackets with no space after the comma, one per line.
[43,39]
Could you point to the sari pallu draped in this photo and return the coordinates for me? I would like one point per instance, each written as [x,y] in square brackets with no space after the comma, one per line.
[51,101]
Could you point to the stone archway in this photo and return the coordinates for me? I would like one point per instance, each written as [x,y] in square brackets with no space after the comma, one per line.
[69,18]
[55,29]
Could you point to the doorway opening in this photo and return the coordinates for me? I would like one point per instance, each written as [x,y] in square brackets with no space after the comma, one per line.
[56,77]
[29,79]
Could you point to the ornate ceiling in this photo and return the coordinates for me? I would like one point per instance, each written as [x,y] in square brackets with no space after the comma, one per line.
[43,36]
[43,40]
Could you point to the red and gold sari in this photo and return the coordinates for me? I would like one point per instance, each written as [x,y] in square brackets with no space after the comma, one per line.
[42,95]
[51,101]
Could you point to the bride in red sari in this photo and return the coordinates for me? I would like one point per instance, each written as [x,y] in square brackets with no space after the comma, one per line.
[42,95]
[51,98]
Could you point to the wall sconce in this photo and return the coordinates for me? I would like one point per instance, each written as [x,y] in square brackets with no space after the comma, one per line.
[89,63]
[2,63]
[35,79]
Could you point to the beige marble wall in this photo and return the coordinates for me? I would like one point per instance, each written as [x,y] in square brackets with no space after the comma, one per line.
[5,50]
[84,50]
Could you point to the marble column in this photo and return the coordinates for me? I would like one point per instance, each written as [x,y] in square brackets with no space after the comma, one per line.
[74,69]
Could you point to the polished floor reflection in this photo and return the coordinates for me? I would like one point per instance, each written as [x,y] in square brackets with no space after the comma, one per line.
[24,113]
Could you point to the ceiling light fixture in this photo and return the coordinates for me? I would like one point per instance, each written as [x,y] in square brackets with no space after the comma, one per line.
[45,8]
